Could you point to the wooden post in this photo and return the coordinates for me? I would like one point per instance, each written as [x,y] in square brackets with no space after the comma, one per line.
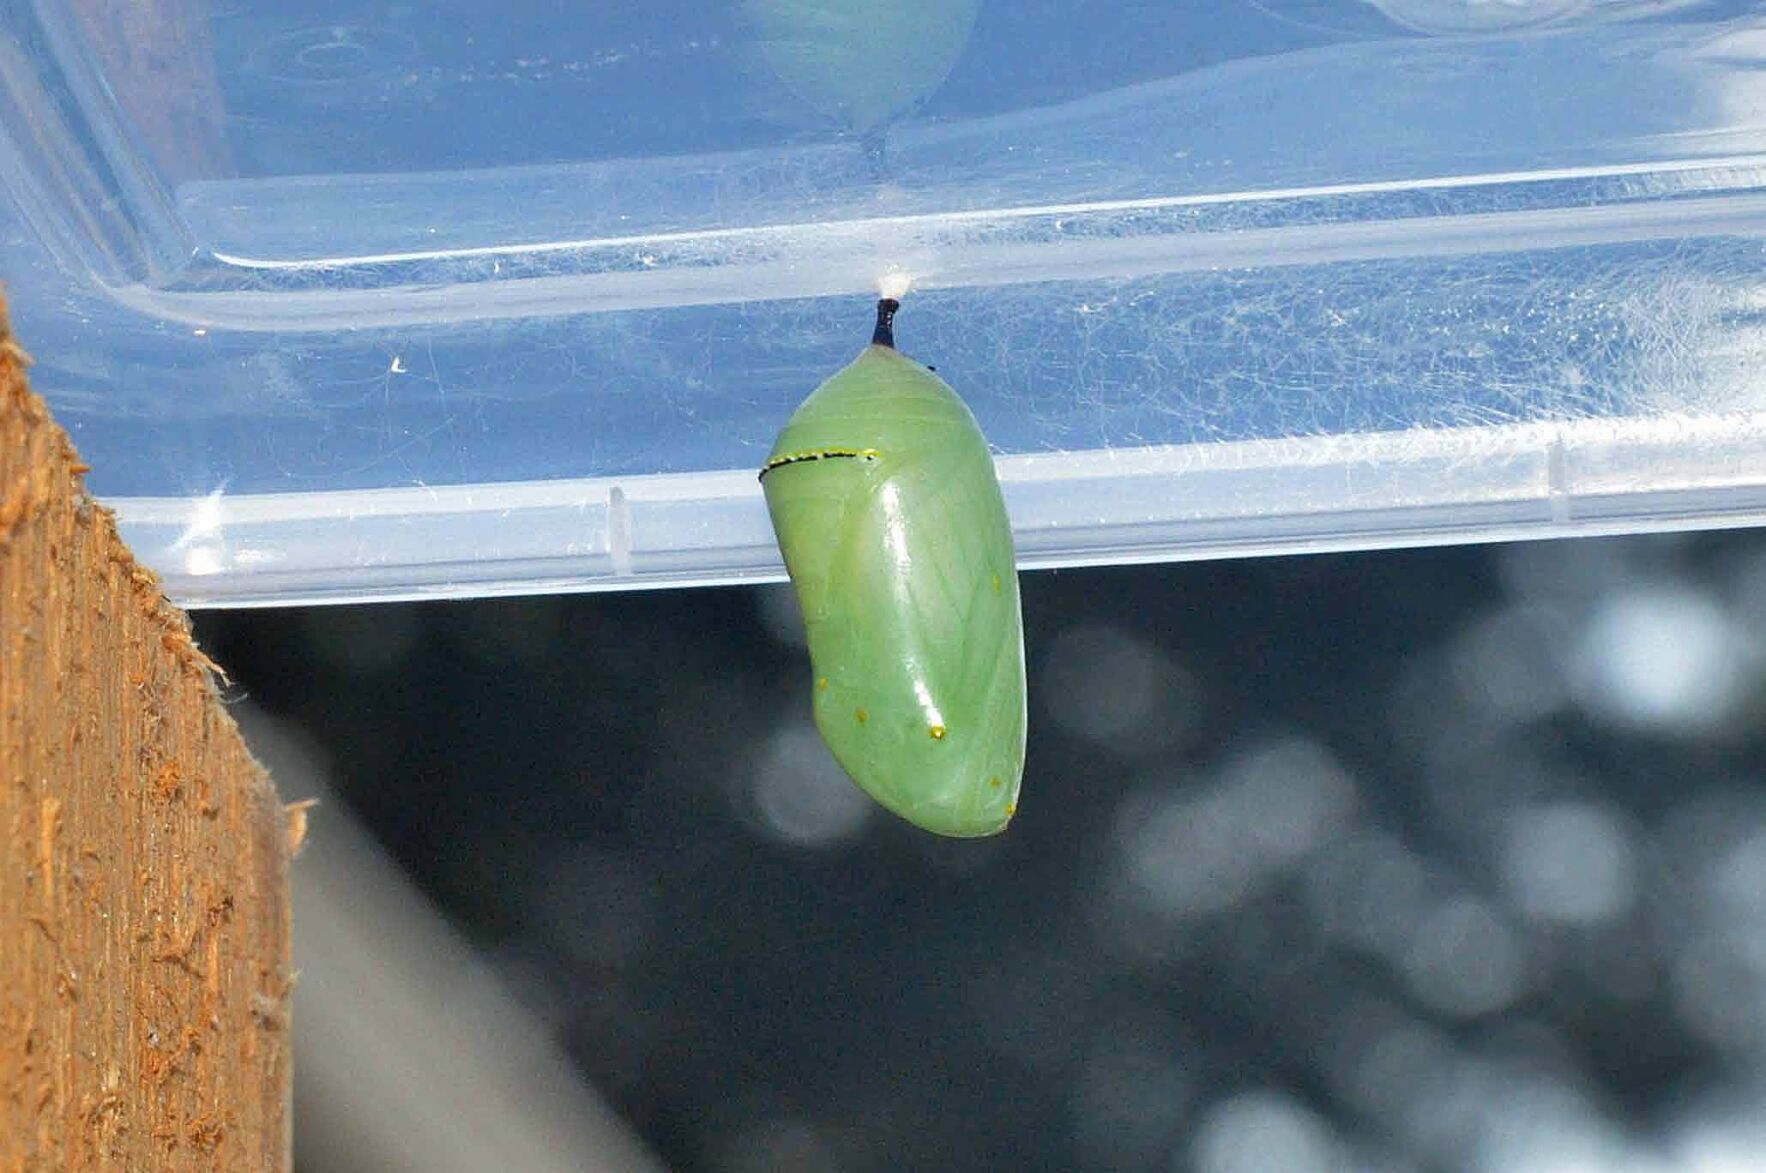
[144,923]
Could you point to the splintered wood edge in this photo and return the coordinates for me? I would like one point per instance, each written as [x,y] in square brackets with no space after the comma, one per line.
[145,972]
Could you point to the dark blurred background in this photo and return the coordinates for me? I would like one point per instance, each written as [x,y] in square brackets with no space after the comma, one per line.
[1439,859]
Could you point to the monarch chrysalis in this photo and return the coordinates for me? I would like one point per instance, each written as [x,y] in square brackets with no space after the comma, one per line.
[888,511]
[861,63]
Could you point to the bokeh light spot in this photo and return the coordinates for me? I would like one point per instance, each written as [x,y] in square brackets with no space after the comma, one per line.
[1195,850]
[1569,863]
[1464,961]
[800,792]
[1113,689]
[1261,1131]
[1663,660]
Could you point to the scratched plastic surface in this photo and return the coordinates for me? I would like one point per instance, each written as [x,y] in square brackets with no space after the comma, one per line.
[358,300]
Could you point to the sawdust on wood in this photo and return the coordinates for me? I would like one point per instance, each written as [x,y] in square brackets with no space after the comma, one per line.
[144,920]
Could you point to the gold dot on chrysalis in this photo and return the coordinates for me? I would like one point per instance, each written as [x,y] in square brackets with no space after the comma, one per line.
[862,716]
[995,782]
[937,732]
[1011,809]
[996,584]
[821,682]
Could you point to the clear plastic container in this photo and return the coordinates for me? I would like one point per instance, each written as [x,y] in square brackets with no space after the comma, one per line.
[358,300]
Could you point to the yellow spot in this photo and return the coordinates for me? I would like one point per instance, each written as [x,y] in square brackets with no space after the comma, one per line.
[862,716]
[995,782]
[996,583]
[821,682]
[937,732]
[1011,809]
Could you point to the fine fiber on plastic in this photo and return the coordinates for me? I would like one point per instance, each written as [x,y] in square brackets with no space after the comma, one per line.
[354,300]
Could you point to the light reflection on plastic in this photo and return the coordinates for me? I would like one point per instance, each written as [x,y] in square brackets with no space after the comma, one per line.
[1448,17]
[201,543]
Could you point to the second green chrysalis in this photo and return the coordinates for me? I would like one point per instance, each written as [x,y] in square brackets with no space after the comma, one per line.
[888,512]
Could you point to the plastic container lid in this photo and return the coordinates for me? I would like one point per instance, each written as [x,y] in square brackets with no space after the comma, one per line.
[356,300]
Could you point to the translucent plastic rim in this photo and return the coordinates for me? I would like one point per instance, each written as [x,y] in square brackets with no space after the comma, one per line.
[1393,489]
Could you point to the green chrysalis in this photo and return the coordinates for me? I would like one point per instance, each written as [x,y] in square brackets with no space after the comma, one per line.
[861,63]
[888,511]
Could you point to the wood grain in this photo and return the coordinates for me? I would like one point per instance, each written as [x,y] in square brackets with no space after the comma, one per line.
[144,919]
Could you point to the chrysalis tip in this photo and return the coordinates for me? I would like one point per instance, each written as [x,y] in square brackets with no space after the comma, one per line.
[884,334]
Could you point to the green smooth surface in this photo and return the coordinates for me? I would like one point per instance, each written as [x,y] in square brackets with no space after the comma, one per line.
[904,568]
